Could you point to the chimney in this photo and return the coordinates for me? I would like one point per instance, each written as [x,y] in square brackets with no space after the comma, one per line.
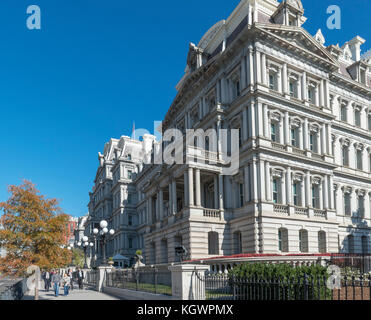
[355,47]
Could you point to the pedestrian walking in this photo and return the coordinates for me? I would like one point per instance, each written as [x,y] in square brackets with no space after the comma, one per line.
[66,283]
[80,278]
[56,281]
[47,278]
[70,274]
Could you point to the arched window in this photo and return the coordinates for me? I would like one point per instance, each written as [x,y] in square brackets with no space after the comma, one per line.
[237,242]
[350,244]
[283,240]
[213,242]
[322,244]
[365,245]
[303,240]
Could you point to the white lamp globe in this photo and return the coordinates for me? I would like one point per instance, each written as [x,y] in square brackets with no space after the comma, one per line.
[112,232]
[103,224]
[69,248]
[79,244]
[91,244]
[105,230]
[86,244]
[85,239]
[95,231]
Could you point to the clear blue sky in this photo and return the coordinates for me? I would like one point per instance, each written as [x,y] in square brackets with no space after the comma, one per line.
[93,69]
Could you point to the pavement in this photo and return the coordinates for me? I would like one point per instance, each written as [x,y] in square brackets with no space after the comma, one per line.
[76,294]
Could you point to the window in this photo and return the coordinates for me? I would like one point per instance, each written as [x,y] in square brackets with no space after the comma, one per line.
[283,243]
[275,190]
[311,95]
[303,241]
[273,81]
[361,208]
[237,88]
[347,210]
[345,156]
[295,188]
[343,113]
[322,246]
[130,243]
[130,198]
[130,174]
[294,137]
[293,85]
[357,118]
[359,159]
[274,132]
[369,122]
[129,157]
[315,196]
[350,244]
[130,220]
[213,242]
[313,142]
[237,241]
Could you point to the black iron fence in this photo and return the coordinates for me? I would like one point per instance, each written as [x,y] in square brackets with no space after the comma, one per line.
[359,263]
[306,287]
[92,277]
[151,280]
[13,289]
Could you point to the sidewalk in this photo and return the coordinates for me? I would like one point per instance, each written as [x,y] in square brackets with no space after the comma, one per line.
[86,294]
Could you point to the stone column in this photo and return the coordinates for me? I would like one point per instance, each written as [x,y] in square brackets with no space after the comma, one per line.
[367,205]
[245,126]
[216,193]
[266,121]
[301,137]
[331,192]
[253,178]
[174,197]
[259,119]
[186,189]
[185,283]
[302,193]
[243,73]
[299,89]
[264,69]
[287,128]
[283,189]
[252,125]
[262,186]
[304,87]
[352,156]
[321,94]
[171,211]
[323,139]
[268,182]
[289,186]
[257,66]
[150,220]
[247,183]
[306,134]
[284,79]
[329,139]
[251,66]
[282,132]
[320,194]
[221,192]
[308,197]
[279,80]
[161,195]
[198,188]
[325,193]
[190,187]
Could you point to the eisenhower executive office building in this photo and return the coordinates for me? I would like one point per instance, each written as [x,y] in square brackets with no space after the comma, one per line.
[303,110]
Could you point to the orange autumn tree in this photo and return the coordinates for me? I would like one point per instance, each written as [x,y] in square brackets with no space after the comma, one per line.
[33,231]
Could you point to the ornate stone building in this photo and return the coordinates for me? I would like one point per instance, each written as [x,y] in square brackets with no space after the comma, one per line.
[303,110]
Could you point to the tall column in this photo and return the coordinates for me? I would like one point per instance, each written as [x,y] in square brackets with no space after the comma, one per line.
[161,195]
[301,137]
[219,137]
[247,182]
[175,199]
[283,189]
[253,178]
[327,94]
[325,193]
[304,87]
[251,66]
[157,206]
[259,119]
[262,185]
[302,193]
[264,69]
[245,126]
[352,156]
[353,201]
[299,89]
[287,128]
[323,139]
[186,189]
[284,79]
[282,131]
[367,205]
[320,195]
[190,187]
[149,205]
[331,193]
[308,196]
[268,192]
[252,125]
[306,134]
[329,139]
[216,193]
[279,80]
[321,94]
[266,121]
[198,188]
[221,192]
[171,208]
[257,66]
[288,187]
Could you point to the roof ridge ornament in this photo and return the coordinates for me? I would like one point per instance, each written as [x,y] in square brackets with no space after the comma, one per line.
[319,37]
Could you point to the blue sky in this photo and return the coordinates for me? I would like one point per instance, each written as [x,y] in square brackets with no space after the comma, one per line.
[97,66]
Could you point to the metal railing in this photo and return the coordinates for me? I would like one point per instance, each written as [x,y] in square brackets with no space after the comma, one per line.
[92,277]
[150,280]
[352,263]
[212,213]
[306,287]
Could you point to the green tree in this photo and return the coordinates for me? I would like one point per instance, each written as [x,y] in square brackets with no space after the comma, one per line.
[77,257]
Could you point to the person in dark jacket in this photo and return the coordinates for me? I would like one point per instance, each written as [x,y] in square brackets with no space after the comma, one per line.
[80,278]
[47,279]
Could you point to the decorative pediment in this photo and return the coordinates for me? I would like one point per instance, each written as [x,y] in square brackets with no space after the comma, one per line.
[319,37]
[316,180]
[298,40]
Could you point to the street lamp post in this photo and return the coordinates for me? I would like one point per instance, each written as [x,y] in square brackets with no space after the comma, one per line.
[85,244]
[102,233]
